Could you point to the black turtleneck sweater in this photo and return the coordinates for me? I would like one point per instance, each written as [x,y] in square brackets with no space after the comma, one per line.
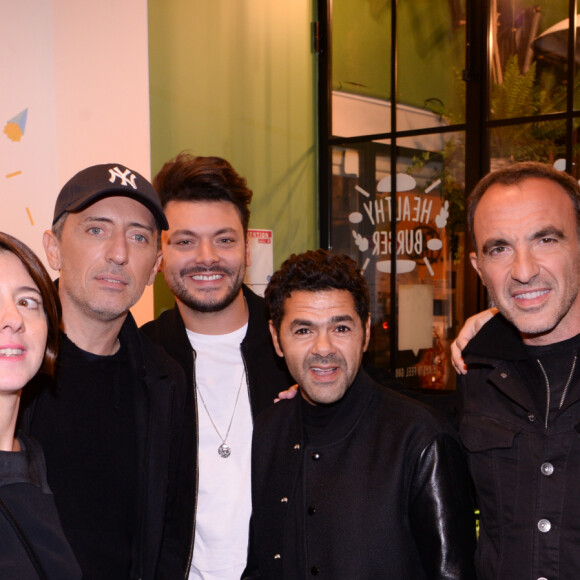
[86,427]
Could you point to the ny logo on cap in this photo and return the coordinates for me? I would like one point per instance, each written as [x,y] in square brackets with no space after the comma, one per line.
[126,177]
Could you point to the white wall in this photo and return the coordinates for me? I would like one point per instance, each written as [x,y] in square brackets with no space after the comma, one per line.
[80,67]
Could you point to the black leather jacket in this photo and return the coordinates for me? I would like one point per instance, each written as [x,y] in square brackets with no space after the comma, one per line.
[385,492]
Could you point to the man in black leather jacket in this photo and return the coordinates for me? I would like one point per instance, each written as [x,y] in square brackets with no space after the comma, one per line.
[350,479]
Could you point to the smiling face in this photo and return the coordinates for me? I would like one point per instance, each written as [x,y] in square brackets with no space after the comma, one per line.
[23,325]
[528,257]
[106,255]
[323,340]
[204,254]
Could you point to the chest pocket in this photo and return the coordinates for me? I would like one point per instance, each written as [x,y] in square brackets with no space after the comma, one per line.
[494,458]
[483,434]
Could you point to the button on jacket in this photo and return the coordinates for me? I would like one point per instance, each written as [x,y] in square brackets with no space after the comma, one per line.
[384,493]
[526,474]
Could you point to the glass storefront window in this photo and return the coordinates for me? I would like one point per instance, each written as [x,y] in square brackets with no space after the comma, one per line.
[474,86]
[360,72]
[414,233]
[431,46]
[528,52]
[542,141]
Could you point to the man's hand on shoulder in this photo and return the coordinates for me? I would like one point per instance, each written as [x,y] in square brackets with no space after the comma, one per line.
[287,394]
[471,327]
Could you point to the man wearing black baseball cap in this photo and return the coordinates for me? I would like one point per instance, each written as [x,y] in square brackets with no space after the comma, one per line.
[111,426]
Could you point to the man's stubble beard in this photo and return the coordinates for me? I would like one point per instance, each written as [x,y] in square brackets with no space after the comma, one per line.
[180,291]
[526,328]
[96,311]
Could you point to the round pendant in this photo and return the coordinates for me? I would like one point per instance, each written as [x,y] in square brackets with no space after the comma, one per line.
[224,450]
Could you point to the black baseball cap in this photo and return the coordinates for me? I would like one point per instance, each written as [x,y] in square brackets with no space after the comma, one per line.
[107,180]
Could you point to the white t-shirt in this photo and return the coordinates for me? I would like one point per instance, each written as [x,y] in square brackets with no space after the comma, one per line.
[224,495]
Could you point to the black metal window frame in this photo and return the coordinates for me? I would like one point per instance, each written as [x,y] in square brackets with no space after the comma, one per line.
[477,126]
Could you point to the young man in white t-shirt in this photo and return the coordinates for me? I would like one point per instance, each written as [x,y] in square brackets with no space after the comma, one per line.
[218,331]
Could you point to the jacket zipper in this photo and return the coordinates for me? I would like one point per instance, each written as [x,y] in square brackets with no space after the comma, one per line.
[564,393]
[252,410]
[547,383]
[190,558]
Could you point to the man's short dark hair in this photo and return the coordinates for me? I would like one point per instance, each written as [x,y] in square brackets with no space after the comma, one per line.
[190,178]
[315,271]
[516,173]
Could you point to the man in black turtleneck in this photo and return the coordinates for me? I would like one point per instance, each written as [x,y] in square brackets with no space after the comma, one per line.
[349,479]
[520,399]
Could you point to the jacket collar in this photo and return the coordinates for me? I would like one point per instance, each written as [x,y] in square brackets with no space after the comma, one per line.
[257,317]
[499,344]
[131,337]
[169,330]
[497,339]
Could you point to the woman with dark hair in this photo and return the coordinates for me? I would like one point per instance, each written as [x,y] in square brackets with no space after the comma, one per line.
[33,544]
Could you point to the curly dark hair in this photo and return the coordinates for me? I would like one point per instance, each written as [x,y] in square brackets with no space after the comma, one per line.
[313,271]
[516,173]
[190,178]
[48,291]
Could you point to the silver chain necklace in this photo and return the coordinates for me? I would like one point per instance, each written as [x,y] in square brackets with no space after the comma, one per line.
[224,450]
[566,387]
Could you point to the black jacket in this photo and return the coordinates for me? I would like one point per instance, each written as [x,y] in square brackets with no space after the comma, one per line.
[33,544]
[526,474]
[385,492]
[266,372]
[159,542]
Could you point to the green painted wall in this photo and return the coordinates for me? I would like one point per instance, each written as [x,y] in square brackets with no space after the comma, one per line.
[235,78]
